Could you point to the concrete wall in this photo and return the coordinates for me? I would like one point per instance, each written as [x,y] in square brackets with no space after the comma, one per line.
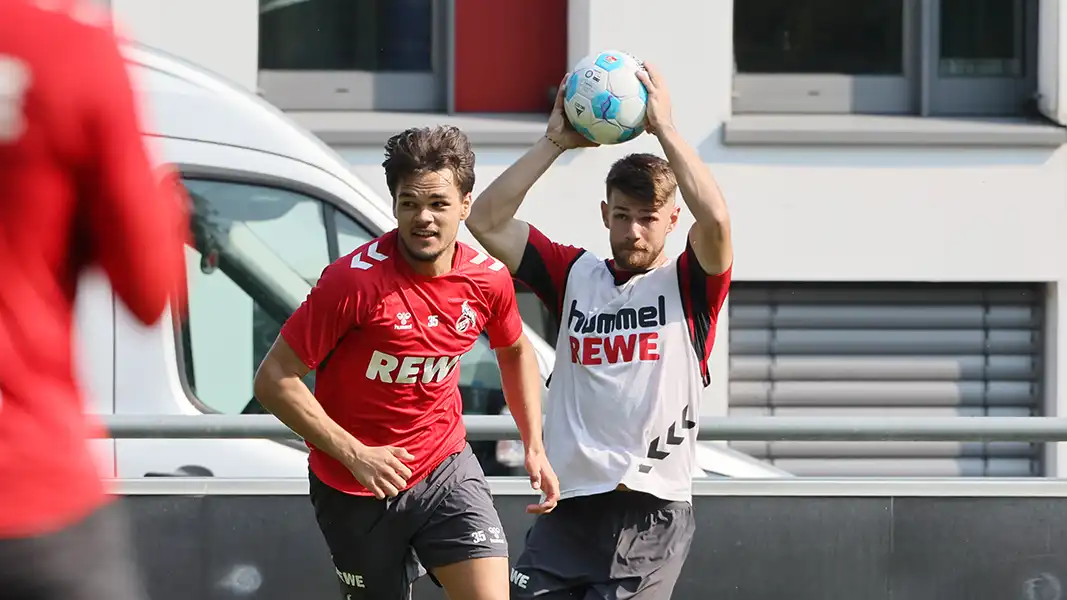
[221,36]
[802,540]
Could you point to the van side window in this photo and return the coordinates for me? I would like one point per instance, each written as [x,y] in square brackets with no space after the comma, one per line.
[256,252]
[350,235]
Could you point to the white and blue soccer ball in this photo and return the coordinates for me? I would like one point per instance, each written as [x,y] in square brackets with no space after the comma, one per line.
[604,100]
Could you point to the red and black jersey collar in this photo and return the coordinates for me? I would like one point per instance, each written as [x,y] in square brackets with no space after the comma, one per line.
[621,277]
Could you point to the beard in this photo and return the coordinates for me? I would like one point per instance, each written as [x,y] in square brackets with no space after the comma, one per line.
[635,258]
[417,250]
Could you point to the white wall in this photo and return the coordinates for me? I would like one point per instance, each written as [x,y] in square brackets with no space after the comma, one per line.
[221,35]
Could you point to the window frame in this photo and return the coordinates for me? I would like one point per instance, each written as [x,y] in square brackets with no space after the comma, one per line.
[331,205]
[919,91]
[331,202]
[367,90]
[828,93]
[984,95]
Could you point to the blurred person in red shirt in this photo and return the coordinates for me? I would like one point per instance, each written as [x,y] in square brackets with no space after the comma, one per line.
[77,190]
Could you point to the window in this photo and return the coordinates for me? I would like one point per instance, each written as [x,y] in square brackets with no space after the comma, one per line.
[257,250]
[986,59]
[350,235]
[352,54]
[288,225]
[930,57]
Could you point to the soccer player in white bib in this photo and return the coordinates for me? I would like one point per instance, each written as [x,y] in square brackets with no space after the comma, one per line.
[636,332]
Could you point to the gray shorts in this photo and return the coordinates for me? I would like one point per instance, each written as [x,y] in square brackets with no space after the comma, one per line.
[619,545]
[90,560]
[380,547]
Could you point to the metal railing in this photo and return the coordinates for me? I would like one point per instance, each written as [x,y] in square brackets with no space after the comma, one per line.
[482,427]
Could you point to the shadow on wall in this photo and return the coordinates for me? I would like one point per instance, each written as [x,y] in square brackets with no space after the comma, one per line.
[714,151]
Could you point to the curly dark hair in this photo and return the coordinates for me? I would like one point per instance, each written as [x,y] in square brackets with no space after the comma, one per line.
[427,149]
[644,177]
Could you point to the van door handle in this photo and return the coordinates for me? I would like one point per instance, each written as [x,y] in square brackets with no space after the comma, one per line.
[184,471]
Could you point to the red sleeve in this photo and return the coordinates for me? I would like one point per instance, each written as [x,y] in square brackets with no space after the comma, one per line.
[330,310]
[136,223]
[544,268]
[702,298]
[505,325]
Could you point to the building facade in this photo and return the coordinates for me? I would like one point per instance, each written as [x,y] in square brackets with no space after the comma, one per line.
[896,171]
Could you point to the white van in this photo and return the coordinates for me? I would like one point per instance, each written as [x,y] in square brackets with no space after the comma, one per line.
[273,206]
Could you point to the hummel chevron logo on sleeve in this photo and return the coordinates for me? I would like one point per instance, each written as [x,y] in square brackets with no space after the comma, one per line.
[482,257]
[372,254]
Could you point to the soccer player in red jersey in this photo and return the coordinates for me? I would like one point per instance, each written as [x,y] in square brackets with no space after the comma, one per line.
[394,483]
[78,190]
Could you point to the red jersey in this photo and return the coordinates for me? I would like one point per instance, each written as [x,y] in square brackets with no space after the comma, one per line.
[77,190]
[387,343]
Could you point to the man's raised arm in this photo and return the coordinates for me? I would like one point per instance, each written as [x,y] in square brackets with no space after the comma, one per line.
[492,218]
[710,235]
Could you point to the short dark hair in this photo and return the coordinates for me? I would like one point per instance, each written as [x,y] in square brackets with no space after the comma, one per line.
[428,149]
[642,176]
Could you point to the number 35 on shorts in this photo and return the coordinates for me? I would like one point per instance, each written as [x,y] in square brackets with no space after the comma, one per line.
[493,535]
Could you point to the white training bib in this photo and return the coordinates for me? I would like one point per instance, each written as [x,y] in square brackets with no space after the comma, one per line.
[626,387]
